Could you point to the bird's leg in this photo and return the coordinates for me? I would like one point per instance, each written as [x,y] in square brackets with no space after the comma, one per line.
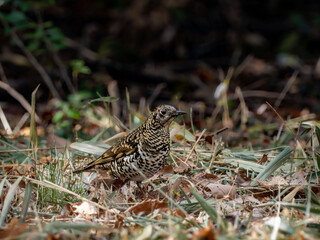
[142,189]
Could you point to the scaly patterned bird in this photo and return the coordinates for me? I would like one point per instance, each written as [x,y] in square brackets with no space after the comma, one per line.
[146,148]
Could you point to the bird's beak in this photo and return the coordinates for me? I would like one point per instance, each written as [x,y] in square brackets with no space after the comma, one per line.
[178,113]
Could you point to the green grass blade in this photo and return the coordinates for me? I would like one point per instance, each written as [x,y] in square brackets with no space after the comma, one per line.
[279,160]
[314,209]
[211,211]
[8,199]
[78,226]
[26,201]
[33,126]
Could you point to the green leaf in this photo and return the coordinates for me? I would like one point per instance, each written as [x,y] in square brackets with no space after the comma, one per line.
[211,211]
[73,114]
[15,17]
[279,160]
[33,126]
[79,67]
[8,199]
[58,116]
[33,46]
[65,123]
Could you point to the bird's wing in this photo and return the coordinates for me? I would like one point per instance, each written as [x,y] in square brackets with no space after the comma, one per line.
[124,147]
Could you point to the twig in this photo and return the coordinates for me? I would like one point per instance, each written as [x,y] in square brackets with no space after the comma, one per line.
[27,150]
[45,76]
[194,146]
[56,57]
[255,93]
[286,89]
[21,122]
[243,107]
[5,123]
[155,93]
[113,91]
[3,74]
[18,97]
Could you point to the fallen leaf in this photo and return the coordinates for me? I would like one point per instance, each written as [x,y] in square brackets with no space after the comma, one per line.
[205,234]
[13,230]
[45,160]
[86,210]
[221,191]
[242,180]
[205,178]
[298,178]
[26,131]
[251,199]
[147,206]
[263,159]
[275,181]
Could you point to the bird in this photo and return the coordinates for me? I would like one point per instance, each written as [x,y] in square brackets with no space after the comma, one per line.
[143,152]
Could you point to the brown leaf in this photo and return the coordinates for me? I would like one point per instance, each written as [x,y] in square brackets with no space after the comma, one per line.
[165,170]
[263,159]
[45,160]
[242,180]
[205,234]
[298,178]
[222,191]
[183,166]
[275,181]
[14,229]
[147,206]
[206,178]
[86,210]
[26,131]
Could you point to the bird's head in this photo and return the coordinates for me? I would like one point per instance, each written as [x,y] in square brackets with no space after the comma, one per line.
[164,114]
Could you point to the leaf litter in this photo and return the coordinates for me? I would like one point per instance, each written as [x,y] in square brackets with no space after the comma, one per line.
[202,193]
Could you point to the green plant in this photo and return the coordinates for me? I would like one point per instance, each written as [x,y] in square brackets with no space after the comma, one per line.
[69,113]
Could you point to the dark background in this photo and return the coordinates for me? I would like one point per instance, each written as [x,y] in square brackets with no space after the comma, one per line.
[175,51]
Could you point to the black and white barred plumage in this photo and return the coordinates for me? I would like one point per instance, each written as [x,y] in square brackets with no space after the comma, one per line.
[145,150]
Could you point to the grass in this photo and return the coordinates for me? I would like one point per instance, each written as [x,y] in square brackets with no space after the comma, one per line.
[210,190]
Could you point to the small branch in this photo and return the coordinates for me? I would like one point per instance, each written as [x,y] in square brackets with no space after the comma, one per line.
[194,146]
[286,89]
[55,56]
[46,78]
[18,97]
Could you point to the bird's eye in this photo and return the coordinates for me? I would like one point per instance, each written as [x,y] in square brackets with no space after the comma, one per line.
[163,112]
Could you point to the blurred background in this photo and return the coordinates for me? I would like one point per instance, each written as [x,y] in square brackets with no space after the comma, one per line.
[219,60]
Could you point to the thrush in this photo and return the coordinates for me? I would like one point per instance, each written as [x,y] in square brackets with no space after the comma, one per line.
[143,152]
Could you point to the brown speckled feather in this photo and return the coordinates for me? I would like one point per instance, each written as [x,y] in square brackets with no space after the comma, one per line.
[124,147]
[145,150]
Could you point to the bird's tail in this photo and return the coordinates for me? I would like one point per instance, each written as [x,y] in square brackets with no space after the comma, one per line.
[87,167]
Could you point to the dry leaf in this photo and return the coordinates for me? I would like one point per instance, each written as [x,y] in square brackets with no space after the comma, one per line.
[26,131]
[206,178]
[222,191]
[205,234]
[275,181]
[298,178]
[86,210]
[147,206]
[45,160]
[13,230]
[263,159]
